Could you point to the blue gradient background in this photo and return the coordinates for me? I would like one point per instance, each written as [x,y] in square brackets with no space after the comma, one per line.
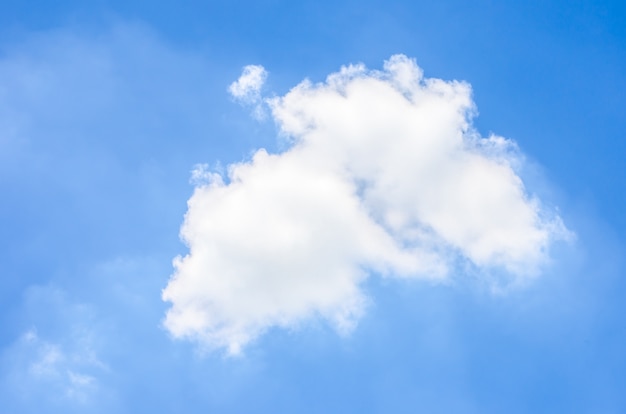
[106,106]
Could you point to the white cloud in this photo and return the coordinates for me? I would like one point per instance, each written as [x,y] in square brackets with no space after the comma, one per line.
[385,175]
[247,89]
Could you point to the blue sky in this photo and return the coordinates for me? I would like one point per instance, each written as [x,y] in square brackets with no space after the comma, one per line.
[107,108]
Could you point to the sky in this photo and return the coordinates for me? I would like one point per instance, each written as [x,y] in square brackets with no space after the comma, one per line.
[312,207]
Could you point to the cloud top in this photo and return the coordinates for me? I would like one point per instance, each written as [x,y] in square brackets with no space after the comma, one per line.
[385,175]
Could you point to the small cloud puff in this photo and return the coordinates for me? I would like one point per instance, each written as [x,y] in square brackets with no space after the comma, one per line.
[385,175]
[247,89]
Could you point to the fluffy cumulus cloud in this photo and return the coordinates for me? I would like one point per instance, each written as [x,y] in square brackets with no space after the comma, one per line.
[384,175]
